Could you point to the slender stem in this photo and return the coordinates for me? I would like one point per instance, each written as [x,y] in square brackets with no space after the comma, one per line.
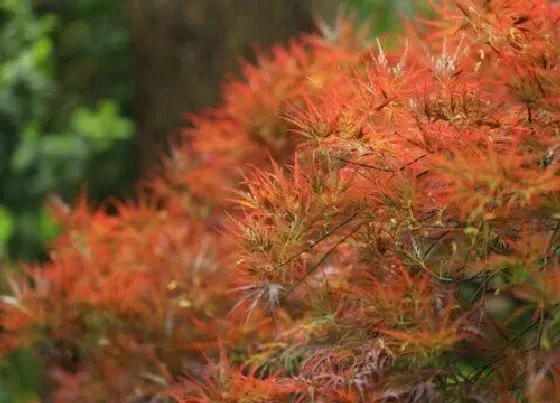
[323,258]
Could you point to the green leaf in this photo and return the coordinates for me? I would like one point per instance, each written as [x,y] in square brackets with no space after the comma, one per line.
[49,227]
[6,224]
[104,126]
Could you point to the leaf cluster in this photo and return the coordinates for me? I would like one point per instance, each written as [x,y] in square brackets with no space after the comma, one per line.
[352,224]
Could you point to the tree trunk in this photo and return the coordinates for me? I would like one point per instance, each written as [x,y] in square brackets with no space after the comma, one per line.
[183,48]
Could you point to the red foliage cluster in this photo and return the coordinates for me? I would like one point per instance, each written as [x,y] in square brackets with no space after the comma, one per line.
[352,224]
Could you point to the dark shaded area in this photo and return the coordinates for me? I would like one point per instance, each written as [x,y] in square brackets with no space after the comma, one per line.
[183,49]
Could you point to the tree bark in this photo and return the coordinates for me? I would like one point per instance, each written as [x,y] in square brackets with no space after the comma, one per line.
[183,48]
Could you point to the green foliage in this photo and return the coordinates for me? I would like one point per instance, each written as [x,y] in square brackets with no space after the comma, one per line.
[64,111]
[383,14]
[6,229]
[19,377]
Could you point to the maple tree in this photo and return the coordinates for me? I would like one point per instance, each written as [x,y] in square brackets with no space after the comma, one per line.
[352,224]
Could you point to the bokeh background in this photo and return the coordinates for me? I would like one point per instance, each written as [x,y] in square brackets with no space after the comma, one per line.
[92,90]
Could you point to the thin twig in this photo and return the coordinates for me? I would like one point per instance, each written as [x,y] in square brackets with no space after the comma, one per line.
[378,168]
[322,238]
[323,258]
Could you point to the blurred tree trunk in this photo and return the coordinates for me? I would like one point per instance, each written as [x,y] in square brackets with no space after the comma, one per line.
[183,48]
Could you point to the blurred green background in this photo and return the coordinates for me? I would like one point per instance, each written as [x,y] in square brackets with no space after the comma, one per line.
[67,107]
[65,112]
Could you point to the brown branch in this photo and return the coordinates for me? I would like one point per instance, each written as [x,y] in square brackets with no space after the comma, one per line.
[323,258]
[381,169]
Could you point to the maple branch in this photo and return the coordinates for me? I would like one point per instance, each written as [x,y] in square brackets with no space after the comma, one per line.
[323,258]
[378,168]
[321,238]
